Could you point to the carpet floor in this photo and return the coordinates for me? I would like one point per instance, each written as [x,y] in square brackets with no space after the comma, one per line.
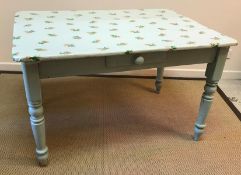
[118,126]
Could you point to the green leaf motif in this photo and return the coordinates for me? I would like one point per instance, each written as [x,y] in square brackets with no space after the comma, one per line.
[151,44]
[135,31]
[183,30]
[50,16]
[76,37]
[121,44]
[92,22]
[113,29]
[69,24]
[139,38]
[215,38]
[70,19]
[162,34]
[184,36]
[49,28]
[160,28]
[173,47]
[91,33]
[166,40]
[43,42]
[16,37]
[115,36]
[48,22]
[27,25]
[40,49]
[34,58]
[140,26]
[78,15]
[103,48]
[186,20]
[96,41]
[65,53]
[113,23]
[69,45]
[142,14]
[29,31]
[191,26]
[75,30]
[28,19]
[128,52]
[93,27]
[214,44]
[52,34]
[152,22]
[191,42]
[174,23]
[132,20]
[16,54]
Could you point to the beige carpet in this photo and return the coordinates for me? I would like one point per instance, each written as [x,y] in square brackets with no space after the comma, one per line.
[118,126]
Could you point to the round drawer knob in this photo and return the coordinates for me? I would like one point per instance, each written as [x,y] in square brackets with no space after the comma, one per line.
[139,60]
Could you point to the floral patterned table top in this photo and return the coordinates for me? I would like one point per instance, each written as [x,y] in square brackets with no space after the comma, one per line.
[45,35]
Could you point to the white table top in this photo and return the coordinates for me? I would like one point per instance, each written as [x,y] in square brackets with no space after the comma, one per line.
[45,35]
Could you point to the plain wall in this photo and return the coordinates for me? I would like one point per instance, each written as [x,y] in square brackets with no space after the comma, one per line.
[221,15]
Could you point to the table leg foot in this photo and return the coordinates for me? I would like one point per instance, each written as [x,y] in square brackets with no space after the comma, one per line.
[159,79]
[158,87]
[42,157]
[198,131]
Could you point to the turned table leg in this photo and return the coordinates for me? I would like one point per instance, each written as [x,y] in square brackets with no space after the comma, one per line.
[159,79]
[34,99]
[213,73]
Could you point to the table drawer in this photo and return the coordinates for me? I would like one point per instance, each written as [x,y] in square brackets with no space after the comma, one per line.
[135,60]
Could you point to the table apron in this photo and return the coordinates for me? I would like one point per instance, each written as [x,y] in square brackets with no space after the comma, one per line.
[105,64]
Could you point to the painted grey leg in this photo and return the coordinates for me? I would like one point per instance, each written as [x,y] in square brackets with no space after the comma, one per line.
[34,99]
[206,101]
[213,73]
[159,79]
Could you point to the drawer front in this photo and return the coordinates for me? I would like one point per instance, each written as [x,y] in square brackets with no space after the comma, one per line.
[144,59]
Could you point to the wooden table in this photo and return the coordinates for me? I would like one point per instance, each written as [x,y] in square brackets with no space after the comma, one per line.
[66,43]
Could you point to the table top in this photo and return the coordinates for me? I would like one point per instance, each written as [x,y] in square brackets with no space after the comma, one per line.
[47,35]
